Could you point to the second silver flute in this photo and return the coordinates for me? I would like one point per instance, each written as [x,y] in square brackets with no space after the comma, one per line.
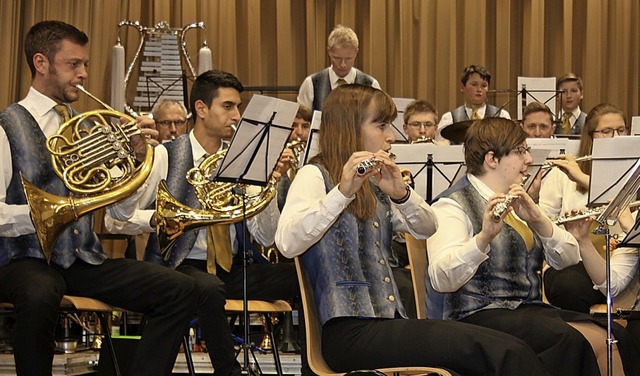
[502,207]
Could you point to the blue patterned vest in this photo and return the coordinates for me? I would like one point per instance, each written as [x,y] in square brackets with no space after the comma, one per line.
[460,113]
[180,161]
[508,278]
[349,267]
[30,157]
[322,86]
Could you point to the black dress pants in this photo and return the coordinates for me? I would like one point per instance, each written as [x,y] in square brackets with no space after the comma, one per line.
[352,343]
[166,297]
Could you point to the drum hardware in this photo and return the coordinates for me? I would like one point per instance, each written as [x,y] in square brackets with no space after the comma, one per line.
[456,132]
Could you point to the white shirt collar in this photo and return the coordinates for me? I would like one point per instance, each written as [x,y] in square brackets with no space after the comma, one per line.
[197,150]
[37,102]
[333,77]
[481,187]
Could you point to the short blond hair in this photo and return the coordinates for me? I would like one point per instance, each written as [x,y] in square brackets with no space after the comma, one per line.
[342,37]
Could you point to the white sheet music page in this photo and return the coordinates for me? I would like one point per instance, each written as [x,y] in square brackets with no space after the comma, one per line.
[313,143]
[538,89]
[429,162]
[556,146]
[612,161]
[257,144]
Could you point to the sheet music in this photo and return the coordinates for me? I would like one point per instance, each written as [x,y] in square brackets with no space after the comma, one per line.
[612,161]
[635,126]
[633,236]
[444,164]
[257,144]
[539,156]
[538,89]
[397,124]
[313,143]
[556,146]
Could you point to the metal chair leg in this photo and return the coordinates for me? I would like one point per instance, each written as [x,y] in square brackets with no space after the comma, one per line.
[187,355]
[107,337]
[276,355]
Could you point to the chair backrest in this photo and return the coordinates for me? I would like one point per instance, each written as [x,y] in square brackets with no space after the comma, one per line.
[417,251]
[312,325]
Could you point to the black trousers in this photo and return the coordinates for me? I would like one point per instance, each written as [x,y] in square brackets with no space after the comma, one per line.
[561,348]
[213,318]
[571,288]
[352,343]
[264,281]
[167,298]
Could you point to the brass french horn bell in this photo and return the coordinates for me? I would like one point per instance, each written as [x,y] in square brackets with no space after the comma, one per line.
[85,153]
[221,204]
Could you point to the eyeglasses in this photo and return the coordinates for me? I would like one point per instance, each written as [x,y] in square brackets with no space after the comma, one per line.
[522,150]
[168,123]
[420,124]
[608,132]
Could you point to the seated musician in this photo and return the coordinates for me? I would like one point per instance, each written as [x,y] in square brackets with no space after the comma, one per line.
[624,264]
[210,256]
[340,224]
[299,133]
[564,189]
[474,86]
[421,122]
[58,54]
[488,259]
[171,119]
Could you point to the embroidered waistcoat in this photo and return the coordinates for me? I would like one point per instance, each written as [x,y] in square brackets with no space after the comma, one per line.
[460,113]
[30,157]
[349,269]
[508,278]
[322,86]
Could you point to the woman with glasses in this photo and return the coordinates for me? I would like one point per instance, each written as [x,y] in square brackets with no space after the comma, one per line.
[487,255]
[565,189]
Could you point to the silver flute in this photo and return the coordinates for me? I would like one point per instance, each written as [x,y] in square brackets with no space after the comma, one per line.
[593,212]
[549,164]
[371,164]
[502,207]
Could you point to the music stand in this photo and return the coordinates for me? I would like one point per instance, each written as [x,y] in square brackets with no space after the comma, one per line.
[313,142]
[253,154]
[612,161]
[609,217]
[398,122]
[432,167]
[539,156]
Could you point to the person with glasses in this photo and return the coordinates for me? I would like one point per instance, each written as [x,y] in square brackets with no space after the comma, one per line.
[487,259]
[566,189]
[474,86]
[421,122]
[171,119]
[572,118]
[342,47]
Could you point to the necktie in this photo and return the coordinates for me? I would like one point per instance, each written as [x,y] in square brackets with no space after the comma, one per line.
[474,114]
[63,111]
[522,229]
[218,248]
[566,123]
[341,81]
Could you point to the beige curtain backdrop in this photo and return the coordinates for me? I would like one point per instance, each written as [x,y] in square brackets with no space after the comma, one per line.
[415,48]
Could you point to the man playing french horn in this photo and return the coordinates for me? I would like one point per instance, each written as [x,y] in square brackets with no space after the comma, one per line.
[207,254]
[58,55]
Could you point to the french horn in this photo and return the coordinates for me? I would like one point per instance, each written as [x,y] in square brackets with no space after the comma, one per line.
[91,153]
[222,203]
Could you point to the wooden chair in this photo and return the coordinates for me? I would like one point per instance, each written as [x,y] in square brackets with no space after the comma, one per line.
[83,304]
[262,307]
[624,301]
[417,252]
[314,337]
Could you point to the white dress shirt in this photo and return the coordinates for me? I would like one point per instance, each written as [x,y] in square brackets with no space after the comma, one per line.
[14,219]
[310,211]
[305,94]
[454,256]
[129,216]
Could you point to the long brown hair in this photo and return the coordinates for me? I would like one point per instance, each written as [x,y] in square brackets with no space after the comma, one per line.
[345,111]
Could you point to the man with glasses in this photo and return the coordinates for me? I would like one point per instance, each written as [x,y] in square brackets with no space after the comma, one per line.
[171,119]
[421,122]
[342,47]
